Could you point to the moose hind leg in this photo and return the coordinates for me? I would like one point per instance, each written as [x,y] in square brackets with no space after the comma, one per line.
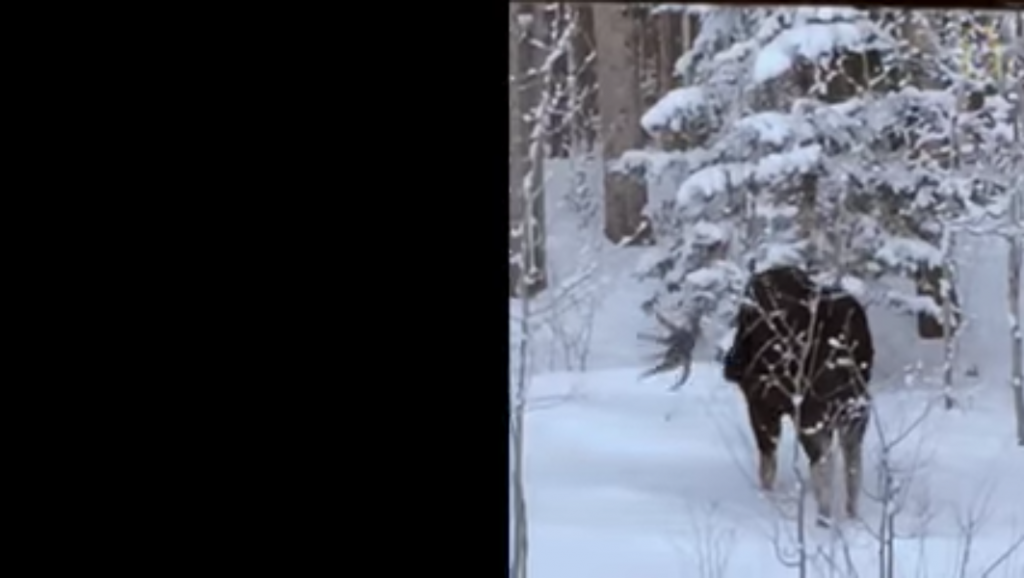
[767,426]
[767,470]
[851,440]
[817,441]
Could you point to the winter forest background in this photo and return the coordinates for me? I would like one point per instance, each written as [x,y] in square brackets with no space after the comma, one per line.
[660,153]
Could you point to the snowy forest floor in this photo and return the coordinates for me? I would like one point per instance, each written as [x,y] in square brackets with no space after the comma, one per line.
[626,479]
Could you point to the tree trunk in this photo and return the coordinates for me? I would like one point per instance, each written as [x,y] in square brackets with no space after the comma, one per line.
[669,45]
[929,280]
[1016,265]
[515,156]
[807,220]
[949,322]
[619,103]
[1016,260]
[645,33]
[582,63]
[689,28]
[558,127]
[526,170]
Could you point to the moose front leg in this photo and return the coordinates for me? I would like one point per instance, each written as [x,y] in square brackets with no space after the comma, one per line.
[816,438]
[767,426]
[851,440]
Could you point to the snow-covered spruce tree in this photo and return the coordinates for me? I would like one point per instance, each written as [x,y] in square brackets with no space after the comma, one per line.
[754,147]
[805,142]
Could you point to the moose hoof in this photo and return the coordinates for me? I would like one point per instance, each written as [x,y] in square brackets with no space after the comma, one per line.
[823,521]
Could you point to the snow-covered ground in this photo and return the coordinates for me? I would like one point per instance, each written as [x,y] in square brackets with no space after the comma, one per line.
[625,479]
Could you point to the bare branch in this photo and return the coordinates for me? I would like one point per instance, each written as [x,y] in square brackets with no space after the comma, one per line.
[1002,558]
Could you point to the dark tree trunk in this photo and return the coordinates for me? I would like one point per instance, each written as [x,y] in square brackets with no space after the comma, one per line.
[584,46]
[619,98]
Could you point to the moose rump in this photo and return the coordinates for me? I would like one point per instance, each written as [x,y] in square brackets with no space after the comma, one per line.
[804,351]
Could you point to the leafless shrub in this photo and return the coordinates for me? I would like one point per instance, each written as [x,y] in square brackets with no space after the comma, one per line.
[708,546]
[893,487]
[569,318]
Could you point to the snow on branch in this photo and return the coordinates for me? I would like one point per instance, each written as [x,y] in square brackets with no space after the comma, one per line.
[827,14]
[706,233]
[813,41]
[778,167]
[674,108]
[779,253]
[775,128]
[652,162]
[719,27]
[907,253]
[709,182]
[682,9]
[770,171]
[911,304]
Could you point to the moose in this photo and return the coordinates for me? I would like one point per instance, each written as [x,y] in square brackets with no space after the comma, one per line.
[800,350]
